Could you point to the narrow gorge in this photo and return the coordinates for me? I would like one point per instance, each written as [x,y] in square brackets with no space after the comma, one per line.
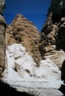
[33,61]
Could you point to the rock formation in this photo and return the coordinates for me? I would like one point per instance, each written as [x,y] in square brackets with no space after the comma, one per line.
[33,57]
[61,35]
[52,34]
[24,68]
[45,45]
[24,32]
[52,42]
[2,37]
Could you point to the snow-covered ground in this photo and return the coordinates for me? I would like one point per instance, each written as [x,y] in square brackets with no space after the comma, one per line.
[22,71]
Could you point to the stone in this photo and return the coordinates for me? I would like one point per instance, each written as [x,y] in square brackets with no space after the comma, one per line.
[27,74]
[52,39]
[61,34]
[40,59]
[2,6]
[22,31]
[2,37]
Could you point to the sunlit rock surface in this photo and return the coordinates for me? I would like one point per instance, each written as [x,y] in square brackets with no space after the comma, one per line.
[23,31]
[35,67]
[22,70]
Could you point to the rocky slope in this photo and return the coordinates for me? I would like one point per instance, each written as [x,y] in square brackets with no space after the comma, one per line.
[24,59]
[23,73]
[52,34]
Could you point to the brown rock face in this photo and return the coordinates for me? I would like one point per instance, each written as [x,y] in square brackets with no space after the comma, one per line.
[2,38]
[2,48]
[51,40]
[53,33]
[24,32]
[52,36]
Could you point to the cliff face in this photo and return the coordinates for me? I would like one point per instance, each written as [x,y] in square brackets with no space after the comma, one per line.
[49,42]
[32,57]
[52,42]
[24,32]
[2,37]
[24,59]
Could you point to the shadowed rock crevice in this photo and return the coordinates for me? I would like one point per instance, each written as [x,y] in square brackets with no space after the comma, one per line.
[61,35]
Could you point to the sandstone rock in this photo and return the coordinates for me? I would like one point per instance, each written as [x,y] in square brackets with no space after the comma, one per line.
[7,89]
[2,48]
[22,66]
[56,56]
[48,43]
[25,48]
[52,39]
[2,37]
[24,32]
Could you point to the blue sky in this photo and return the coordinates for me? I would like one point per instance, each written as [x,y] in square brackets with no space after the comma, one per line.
[33,10]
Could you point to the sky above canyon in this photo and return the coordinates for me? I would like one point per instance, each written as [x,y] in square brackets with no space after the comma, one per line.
[33,10]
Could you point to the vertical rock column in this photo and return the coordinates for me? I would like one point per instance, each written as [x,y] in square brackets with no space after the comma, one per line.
[2,37]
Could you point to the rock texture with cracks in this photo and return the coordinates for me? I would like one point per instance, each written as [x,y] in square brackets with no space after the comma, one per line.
[2,37]
[24,32]
[22,68]
[33,59]
[52,34]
